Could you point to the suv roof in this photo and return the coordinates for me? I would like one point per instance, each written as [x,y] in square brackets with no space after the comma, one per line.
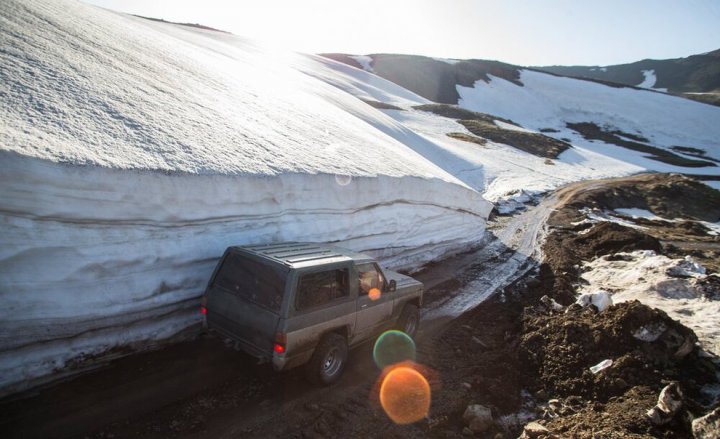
[296,254]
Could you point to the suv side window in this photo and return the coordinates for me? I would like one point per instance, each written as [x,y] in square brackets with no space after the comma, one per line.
[315,289]
[370,278]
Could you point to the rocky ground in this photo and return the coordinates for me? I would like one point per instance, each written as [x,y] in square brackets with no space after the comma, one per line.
[529,359]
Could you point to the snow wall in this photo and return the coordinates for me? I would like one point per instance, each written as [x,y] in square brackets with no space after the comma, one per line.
[133,153]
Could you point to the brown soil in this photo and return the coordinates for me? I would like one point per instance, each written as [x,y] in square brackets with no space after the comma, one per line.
[483,125]
[468,138]
[533,143]
[666,195]
[592,131]
[561,346]
[455,112]
[381,105]
[710,98]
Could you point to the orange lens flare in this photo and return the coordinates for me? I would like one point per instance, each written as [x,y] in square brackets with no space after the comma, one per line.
[374,294]
[405,395]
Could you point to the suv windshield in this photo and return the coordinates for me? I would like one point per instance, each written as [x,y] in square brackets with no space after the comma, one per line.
[259,283]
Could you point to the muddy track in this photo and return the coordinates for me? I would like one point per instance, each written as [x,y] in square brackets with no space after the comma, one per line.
[202,389]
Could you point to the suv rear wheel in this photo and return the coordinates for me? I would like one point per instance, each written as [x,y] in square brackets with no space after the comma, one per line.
[328,361]
[409,320]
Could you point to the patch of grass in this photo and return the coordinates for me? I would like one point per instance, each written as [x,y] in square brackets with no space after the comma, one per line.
[592,131]
[533,143]
[381,105]
[195,25]
[695,152]
[468,138]
[483,125]
[455,112]
[709,98]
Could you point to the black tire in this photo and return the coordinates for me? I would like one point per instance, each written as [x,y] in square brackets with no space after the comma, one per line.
[328,361]
[409,320]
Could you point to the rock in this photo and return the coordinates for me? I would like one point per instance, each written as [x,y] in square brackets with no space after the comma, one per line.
[534,430]
[478,341]
[669,402]
[467,432]
[670,399]
[686,268]
[685,348]
[600,299]
[650,332]
[467,386]
[707,427]
[551,304]
[312,406]
[478,417]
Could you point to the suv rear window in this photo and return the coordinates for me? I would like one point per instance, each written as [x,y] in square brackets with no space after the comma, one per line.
[256,282]
[315,289]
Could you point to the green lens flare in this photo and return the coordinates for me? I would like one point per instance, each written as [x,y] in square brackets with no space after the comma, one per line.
[393,347]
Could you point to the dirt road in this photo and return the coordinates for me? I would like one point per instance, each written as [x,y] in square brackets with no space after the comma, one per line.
[203,389]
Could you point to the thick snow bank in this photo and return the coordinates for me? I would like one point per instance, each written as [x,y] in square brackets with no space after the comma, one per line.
[132,153]
[677,286]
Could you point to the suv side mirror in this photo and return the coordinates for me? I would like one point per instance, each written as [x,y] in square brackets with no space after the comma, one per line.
[392,286]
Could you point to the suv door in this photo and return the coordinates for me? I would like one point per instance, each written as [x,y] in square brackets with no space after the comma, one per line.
[374,303]
[323,300]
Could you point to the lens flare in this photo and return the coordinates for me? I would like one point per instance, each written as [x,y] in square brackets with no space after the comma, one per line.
[374,294]
[393,347]
[343,180]
[405,395]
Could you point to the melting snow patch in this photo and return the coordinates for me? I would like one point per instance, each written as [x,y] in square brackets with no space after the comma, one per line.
[649,80]
[593,216]
[639,213]
[447,60]
[652,279]
[515,201]
[365,61]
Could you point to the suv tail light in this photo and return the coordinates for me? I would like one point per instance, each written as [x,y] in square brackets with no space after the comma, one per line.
[280,342]
[203,305]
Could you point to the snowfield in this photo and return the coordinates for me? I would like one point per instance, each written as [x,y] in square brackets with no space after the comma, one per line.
[132,153]
[549,102]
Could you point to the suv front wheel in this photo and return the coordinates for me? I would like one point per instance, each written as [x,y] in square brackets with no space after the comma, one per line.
[328,361]
[409,320]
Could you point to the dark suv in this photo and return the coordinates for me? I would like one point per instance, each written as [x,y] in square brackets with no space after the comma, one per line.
[299,304]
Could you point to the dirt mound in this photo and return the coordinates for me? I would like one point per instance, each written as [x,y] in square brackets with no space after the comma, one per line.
[666,195]
[648,350]
[563,346]
[607,238]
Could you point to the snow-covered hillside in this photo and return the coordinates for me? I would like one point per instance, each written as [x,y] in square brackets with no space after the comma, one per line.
[547,102]
[132,153]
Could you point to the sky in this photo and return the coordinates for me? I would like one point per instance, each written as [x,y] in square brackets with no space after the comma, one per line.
[524,32]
